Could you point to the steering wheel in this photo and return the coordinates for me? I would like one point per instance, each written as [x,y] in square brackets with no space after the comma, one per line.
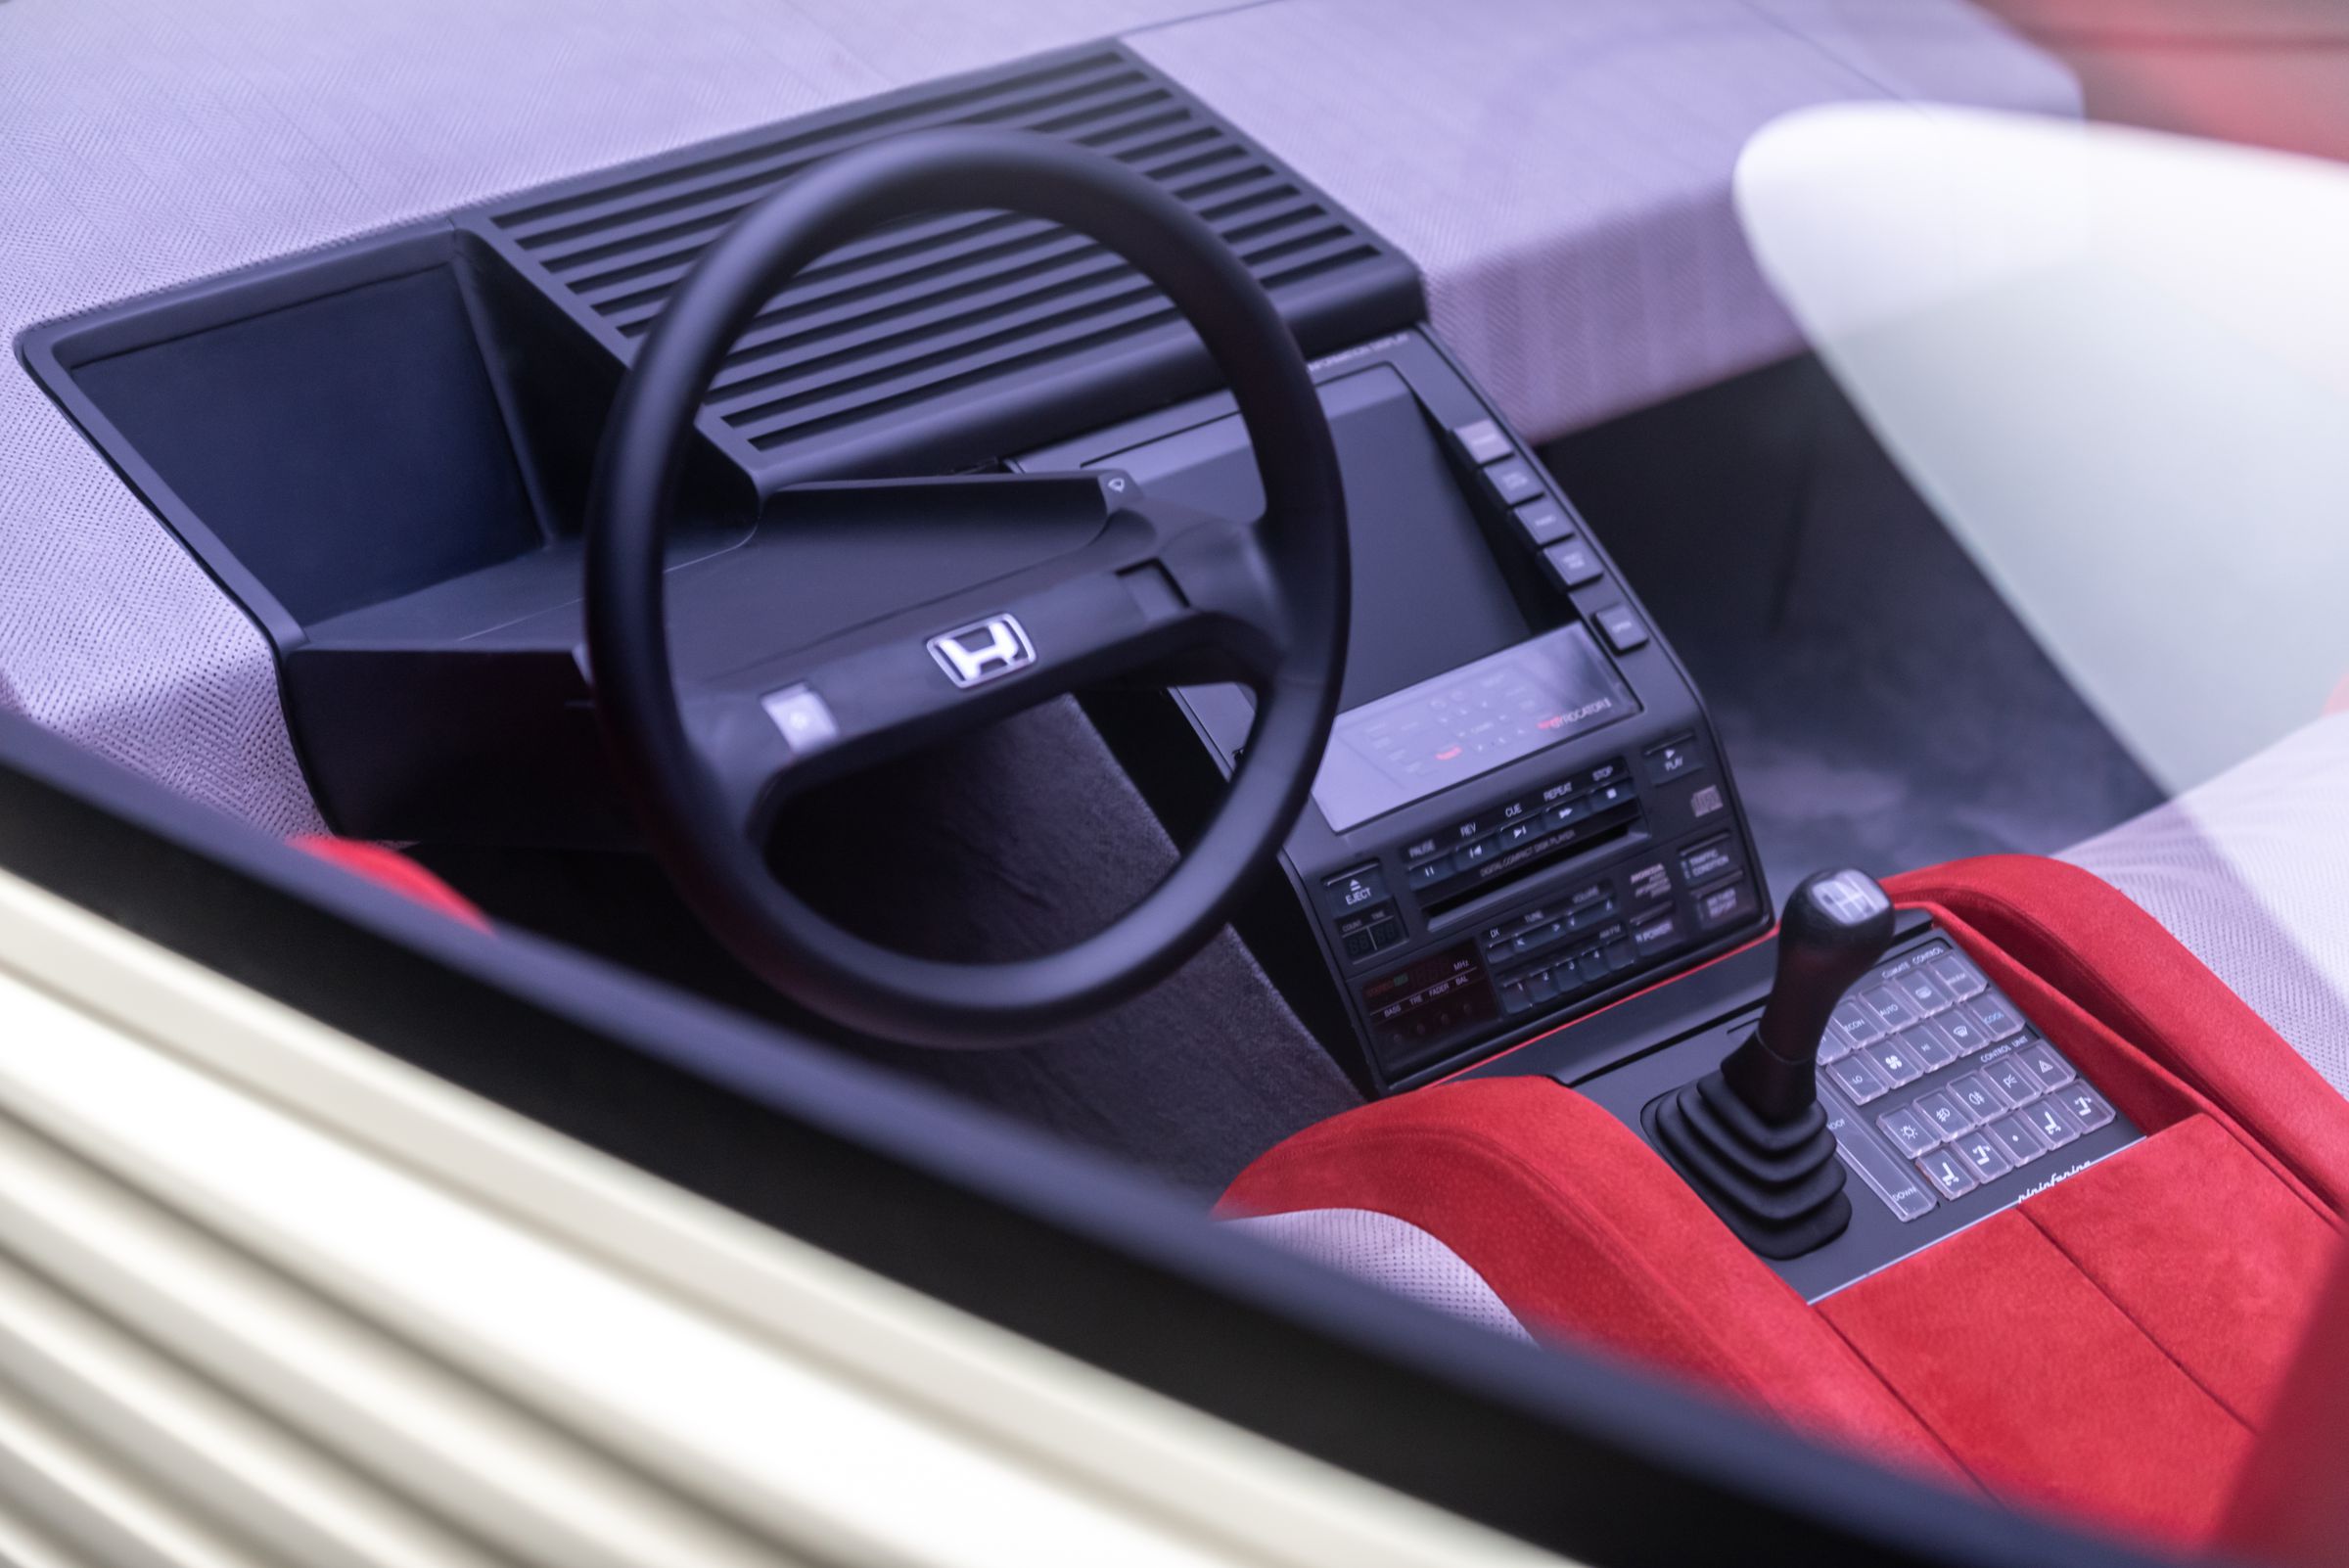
[1155,592]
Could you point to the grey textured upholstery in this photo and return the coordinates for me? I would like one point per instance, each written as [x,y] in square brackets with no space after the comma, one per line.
[1559,170]
[2251,872]
[1392,1253]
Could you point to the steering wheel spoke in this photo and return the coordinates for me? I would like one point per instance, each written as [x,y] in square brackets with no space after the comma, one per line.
[765,738]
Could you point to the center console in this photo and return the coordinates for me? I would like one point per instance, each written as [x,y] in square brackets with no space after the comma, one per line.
[1522,813]
[1934,1095]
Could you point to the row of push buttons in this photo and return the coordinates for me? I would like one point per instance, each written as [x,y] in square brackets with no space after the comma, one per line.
[1360,913]
[1515,482]
[1551,818]
[1570,557]
[1605,946]
[1616,951]
[1587,919]
[1996,1120]
[1894,1033]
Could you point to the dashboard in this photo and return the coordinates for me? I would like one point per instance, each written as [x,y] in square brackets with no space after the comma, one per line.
[379,451]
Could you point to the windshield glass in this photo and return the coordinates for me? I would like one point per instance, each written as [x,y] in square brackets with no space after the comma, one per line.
[2110,350]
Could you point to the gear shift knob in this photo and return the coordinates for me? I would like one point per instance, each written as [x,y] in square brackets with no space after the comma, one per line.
[1836,926]
[1751,1137]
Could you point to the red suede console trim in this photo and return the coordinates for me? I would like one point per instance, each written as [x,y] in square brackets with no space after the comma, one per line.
[2041,1387]
[2217,1261]
[2091,954]
[388,868]
[2290,1507]
[1588,1236]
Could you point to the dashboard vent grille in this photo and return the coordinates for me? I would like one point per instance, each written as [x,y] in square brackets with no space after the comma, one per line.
[930,309]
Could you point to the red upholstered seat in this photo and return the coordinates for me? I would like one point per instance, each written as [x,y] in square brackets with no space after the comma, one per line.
[388,868]
[2112,1345]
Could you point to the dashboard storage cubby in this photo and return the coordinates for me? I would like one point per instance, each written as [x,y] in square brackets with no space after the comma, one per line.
[384,452]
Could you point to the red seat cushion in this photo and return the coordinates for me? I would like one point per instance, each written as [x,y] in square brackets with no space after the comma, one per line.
[388,868]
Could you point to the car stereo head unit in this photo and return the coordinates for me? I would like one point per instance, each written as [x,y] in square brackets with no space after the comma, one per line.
[1522,812]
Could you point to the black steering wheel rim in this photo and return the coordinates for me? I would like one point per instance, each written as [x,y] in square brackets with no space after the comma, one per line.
[675,800]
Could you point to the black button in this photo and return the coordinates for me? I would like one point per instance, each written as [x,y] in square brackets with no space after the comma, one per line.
[1542,986]
[1703,862]
[1519,833]
[1483,442]
[1622,626]
[1428,873]
[1513,480]
[1538,940]
[1656,931]
[1473,855]
[1574,561]
[1671,759]
[1727,906]
[1357,889]
[1586,915]
[1544,522]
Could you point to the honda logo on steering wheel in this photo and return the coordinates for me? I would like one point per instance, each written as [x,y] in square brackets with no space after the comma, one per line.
[983,650]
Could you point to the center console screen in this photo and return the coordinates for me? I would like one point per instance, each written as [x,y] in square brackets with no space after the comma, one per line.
[1466,721]
[1427,595]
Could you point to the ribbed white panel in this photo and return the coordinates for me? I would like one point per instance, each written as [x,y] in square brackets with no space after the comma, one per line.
[267,1297]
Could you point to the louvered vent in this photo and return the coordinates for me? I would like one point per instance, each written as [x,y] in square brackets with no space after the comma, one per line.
[929,311]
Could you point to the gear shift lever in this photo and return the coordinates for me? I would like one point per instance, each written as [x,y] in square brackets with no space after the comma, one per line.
[1751,1137]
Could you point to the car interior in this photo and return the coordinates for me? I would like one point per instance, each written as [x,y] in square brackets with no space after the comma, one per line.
[1304,661]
